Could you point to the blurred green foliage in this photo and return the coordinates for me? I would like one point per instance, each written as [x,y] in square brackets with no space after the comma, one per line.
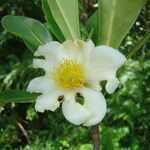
[127,122]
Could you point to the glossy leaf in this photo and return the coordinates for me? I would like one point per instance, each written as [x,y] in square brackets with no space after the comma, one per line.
[51,22]
[17,97]
[32,31]
[66,15]
[115,18]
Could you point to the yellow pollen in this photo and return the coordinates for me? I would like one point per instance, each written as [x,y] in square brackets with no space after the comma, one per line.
[69,74]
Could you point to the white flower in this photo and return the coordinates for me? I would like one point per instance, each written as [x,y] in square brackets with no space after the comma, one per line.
[75,67]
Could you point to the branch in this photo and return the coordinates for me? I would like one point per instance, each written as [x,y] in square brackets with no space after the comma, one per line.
[96,137]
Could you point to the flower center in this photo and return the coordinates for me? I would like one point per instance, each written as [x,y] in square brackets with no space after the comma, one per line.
[69,74]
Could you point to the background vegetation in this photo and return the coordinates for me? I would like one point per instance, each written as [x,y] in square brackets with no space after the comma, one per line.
[126,124]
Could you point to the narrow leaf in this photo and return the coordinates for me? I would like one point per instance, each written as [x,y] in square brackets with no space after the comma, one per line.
[51,22]
[115,18]
[66,15]
[139,45]
[32,31]
[91,24]
[17,97]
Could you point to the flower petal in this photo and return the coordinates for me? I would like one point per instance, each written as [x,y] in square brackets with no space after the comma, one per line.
[95,103]
[104,62]
[52,53]
[78,49]
[74,112]
[44,64]
[111,85]
[95,85]
[41,85]
[49,50]
[47,102]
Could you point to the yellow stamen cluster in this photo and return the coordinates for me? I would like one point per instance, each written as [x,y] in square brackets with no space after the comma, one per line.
[69,74]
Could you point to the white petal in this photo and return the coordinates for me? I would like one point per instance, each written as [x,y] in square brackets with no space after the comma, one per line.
[78,49]
[104,62]
[44,64]
[90,45]
[95,85]
[111,85]
[74,112]
[47,102]
[52,52]
[96,104]
[87,46]
[40,85]
[48,50]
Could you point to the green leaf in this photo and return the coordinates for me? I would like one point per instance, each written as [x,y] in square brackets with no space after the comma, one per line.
[91,24]
[51,22]
[66,15]
[32,31]
[115,18]
[139,45]
[17,97]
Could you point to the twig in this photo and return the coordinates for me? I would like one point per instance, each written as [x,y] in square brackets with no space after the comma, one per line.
[24,132]
[96,137]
